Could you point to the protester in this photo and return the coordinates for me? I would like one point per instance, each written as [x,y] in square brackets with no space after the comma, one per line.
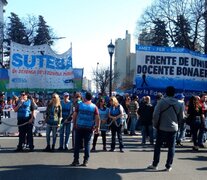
[25,118]
[182,126]
[77,99]
[103,112]
[53,120]
[201,140]
[125,104]
[14,101]
[196,121]
[115,115]
[132,113]
[167,114]
[38,101]
[86,119]
[145,112]
[37,104]
[66,122]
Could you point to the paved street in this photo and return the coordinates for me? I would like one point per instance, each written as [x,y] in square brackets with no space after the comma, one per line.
[130,165]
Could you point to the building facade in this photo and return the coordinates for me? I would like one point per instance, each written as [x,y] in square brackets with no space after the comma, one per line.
[145,37]
[87,84]
[124,63]
[2,4]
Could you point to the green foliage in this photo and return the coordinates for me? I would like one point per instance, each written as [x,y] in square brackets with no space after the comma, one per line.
[30,32]
[16,31]
[160,37]
[181,33]
[43,33]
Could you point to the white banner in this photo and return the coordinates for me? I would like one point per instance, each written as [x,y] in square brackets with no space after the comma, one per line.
[158,67]
[40,67]
[9,123]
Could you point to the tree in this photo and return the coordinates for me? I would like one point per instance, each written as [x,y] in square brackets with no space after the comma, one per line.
[43,33]
[16,31]
[168,11]
[31,23]
[182,31]
[101,78]
[160,37]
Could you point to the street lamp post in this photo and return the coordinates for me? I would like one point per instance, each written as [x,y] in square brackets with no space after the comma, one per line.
[111,48]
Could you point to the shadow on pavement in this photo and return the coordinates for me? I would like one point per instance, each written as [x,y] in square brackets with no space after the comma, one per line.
[40,172]
[197,158]
[11,150]
[202,169]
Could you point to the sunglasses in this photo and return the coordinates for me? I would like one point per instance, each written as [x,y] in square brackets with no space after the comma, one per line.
[23,94]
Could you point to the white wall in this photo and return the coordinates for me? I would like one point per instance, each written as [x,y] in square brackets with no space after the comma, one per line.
[122,61]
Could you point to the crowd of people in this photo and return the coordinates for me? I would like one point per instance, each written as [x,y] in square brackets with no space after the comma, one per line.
[82,116]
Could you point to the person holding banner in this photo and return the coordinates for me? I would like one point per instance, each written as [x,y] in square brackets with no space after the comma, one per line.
[66,122]
[86,119]
[25,118]
[53,120]
[104,113]
[115,115]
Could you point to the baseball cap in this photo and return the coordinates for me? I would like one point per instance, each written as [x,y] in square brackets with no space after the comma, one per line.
[36,96]
[66,94]
[180,96]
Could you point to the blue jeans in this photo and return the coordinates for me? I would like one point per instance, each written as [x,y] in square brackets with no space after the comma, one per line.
[82,134]
[205,132]
[50,129]
[181,132]
[169,138]
[118,130]
[197,132]
[65,132]
[133,124]
[147,130]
